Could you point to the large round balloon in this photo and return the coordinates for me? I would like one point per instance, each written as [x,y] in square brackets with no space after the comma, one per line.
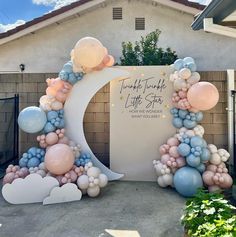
[59,159]
[88,52]
[187,180]
[203,95]
[32,119]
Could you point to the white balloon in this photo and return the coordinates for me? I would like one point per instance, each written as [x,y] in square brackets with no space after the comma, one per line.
[180,84]
[194,78]
[103,180]
[185,73]
[212,148]
[94,172]
[83,182]
[93,191]
[215,159]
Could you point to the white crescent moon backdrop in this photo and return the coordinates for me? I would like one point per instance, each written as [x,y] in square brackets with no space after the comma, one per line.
[77,103]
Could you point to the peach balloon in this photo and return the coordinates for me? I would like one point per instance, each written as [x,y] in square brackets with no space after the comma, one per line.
[111,61]
[59,159]
[88,52]
[51,138]
[203,96]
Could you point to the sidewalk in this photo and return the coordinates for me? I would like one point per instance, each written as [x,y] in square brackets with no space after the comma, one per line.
[142,207]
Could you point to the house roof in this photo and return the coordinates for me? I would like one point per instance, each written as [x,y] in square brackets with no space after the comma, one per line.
[68,10]
[218,10]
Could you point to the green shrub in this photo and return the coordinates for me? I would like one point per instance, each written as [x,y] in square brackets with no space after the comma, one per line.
[209,215]
[146,52]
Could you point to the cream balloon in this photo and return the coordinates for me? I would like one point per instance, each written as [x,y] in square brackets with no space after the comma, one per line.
[83,91]
[88,52]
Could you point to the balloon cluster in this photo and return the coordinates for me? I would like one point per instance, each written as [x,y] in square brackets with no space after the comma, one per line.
[186,160]
[92,180]
[14,172]
[83,159]
[46,140]
[216,175]
[58,156]
[41,170]
[67,74]
[54,120]
[185,118]
[32,158]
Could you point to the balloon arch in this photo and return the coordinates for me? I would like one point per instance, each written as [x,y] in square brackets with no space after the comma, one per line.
[61,170]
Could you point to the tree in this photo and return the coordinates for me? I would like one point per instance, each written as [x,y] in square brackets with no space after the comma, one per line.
[146,52]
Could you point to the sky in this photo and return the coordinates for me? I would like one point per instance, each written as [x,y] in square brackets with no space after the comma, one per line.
[17,12]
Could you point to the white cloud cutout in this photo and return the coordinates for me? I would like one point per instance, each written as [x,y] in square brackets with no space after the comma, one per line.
[33,188]
[67,193]
[4,28]
[54,3]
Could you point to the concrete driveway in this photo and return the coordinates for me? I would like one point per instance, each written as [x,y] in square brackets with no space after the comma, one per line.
[127,209]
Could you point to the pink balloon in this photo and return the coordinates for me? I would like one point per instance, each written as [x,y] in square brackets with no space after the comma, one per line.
[165,158]
[228,181]
[110,62]
[213,188]
[180,162]
[203,95]
[8,178]
[106,59]
[208,178]
[174,151]
[212,168]
[173,141]
[51,138]
[59,159]
[63,140]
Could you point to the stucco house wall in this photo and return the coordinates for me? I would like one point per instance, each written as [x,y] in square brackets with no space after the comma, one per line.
[46,50]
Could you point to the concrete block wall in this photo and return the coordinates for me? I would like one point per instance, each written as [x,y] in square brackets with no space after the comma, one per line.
[96,121]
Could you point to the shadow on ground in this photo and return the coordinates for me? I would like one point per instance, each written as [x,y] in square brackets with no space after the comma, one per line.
[140,206]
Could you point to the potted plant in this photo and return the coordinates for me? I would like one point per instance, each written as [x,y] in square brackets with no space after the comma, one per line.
[209,215]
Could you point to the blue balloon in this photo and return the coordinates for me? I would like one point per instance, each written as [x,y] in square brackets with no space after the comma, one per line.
[201,168]
[177,122]
[32,119]
[184,149]
[205,156]
[199,116]
[193,161]
[49,128]
[187,180]
[183,113]
[178,64]
[189,124]
[33,162]
[52,115]
[191,66]
[188,60]
[196,141]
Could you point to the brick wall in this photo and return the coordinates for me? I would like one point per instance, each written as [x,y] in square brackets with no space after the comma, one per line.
[96,121]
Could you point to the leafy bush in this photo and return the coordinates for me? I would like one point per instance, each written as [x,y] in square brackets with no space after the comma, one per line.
[146,52]
[209,215]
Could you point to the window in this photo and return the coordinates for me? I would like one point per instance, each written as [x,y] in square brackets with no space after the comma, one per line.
[140,23]
[117,13]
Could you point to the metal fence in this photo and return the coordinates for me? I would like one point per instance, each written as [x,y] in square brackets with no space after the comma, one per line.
[9,132]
